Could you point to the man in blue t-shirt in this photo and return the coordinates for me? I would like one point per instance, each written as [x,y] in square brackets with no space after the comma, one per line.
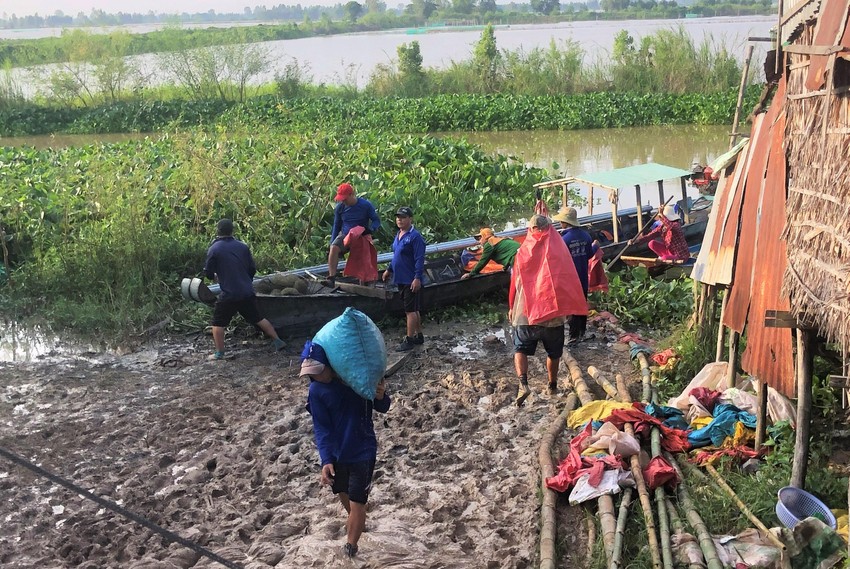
[406,270]
[582,248]
[345,437]
[349,213]
[229,261]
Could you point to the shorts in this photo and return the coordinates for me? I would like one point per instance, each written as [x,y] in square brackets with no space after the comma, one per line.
[354,479]
[338,242]
[226,309]
[412,301]
[526,338]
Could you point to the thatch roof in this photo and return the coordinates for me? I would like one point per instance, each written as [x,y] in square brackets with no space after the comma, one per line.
[817,230]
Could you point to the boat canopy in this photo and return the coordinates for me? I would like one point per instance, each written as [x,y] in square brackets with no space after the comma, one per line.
[631,176]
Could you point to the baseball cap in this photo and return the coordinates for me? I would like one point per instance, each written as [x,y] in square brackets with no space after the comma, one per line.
[484,234]
[343,191]
[404,211]
[313,359]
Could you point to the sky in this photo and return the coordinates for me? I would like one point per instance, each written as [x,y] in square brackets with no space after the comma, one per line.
[72,7]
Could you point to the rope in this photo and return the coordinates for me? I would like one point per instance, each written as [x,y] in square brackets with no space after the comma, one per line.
[118,509]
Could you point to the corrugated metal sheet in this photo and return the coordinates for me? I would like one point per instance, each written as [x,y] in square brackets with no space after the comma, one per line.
[714,264]
[735,316]
[828,30]
[769,353]
[794,17]
[632,176]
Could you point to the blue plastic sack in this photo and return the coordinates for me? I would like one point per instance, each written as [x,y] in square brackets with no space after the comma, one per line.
[355,350]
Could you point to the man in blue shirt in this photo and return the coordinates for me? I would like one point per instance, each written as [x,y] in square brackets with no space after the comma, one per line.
[345,437]
[581,247]
[406,270]
[349,213]
[229,261]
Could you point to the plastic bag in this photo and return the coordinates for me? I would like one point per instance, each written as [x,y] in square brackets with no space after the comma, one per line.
[710,376]
[356,351]
[583,491]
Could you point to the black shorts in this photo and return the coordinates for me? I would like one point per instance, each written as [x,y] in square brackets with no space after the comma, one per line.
[354,479]
[338,242]
[225,310]
[526,338]
[412,301]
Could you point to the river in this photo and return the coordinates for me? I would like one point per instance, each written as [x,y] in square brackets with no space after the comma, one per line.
[350,59]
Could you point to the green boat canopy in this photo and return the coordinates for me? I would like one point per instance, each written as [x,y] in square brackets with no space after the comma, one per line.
[631,176]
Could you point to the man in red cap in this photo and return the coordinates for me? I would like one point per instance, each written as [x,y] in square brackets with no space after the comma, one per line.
[349,213]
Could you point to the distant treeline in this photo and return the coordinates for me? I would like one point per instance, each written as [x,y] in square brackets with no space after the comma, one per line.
[291,22]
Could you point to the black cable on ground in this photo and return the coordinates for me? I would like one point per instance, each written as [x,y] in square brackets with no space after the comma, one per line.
[171,536]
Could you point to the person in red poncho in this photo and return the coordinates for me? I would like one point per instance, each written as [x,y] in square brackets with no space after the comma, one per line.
[545,289]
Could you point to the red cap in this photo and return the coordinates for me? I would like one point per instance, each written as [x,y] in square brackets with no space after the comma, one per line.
[343,191]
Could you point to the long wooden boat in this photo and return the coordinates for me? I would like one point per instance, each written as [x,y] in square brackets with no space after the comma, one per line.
[303,312]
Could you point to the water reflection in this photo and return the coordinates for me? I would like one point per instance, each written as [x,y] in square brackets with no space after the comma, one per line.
[19,344]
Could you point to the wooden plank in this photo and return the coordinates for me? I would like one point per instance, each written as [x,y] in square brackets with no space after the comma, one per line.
[814,49]
[396,365]
[819,93]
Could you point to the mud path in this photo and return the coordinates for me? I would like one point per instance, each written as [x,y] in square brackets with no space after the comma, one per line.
[222,453]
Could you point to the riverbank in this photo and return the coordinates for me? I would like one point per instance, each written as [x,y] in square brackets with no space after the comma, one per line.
[222,454]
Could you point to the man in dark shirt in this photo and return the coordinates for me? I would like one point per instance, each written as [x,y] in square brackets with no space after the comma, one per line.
[229,261]
[345,437]
[406,270]
[581,247]
[349,213]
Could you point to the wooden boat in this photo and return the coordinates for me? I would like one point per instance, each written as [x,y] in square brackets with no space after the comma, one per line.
[304,312]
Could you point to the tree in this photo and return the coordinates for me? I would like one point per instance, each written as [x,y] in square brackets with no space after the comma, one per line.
[410,70]
[463,6]
[487,6]
[422,8]
[353,10]
[486,58]
[545,6]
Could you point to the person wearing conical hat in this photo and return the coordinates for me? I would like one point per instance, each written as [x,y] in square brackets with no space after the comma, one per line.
[667,240]
[581,247]
[497,249]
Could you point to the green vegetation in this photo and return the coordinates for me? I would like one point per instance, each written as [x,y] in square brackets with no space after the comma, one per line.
[637,299]
[98,236]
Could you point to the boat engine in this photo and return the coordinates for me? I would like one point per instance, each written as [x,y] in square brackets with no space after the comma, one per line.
[703,179]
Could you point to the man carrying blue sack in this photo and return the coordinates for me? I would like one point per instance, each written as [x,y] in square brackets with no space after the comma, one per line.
[345,437]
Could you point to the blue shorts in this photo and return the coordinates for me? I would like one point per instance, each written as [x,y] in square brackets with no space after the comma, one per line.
[354,479]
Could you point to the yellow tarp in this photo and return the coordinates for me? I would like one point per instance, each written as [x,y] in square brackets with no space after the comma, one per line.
[594,411]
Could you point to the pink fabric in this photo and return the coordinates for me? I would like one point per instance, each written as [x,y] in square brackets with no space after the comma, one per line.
[659,472]
[661,357]
[548,276]
[597,280]
[673,440]
[706,397]
[362,260]
[575,466]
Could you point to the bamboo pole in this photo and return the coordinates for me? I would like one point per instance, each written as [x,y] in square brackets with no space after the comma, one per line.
[646,378]
[733,138]
[732,370]
[743,507]
[622,389]
[639,208]
[690,550]
[603,382]
[720,329]
[805,367]
[622,516]
[604,504]
[591,533]
[706,543]
[548,518]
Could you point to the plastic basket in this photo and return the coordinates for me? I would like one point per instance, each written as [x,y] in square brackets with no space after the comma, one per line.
[794,505]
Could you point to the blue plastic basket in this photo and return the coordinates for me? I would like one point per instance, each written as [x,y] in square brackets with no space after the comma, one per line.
[794,505]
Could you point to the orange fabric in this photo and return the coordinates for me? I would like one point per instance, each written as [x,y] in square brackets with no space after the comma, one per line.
[362,256]
[597,280]
[548,276]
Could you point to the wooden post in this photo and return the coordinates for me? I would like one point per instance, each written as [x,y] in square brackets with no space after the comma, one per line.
[761,414]
[779,9]
[661,199]
[687,210]
[732,370]
[639,209]
[719,354]
[590,201]
[733,138]
[805,368]
[616,221]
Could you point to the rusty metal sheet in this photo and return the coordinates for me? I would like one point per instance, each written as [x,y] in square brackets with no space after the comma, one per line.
[769,355]
[714,264]
[828,30]
[735,316]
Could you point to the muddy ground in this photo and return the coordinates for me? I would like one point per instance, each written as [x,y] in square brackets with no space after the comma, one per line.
[222,454]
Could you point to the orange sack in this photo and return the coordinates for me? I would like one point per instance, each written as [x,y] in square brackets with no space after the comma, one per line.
[548,276]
